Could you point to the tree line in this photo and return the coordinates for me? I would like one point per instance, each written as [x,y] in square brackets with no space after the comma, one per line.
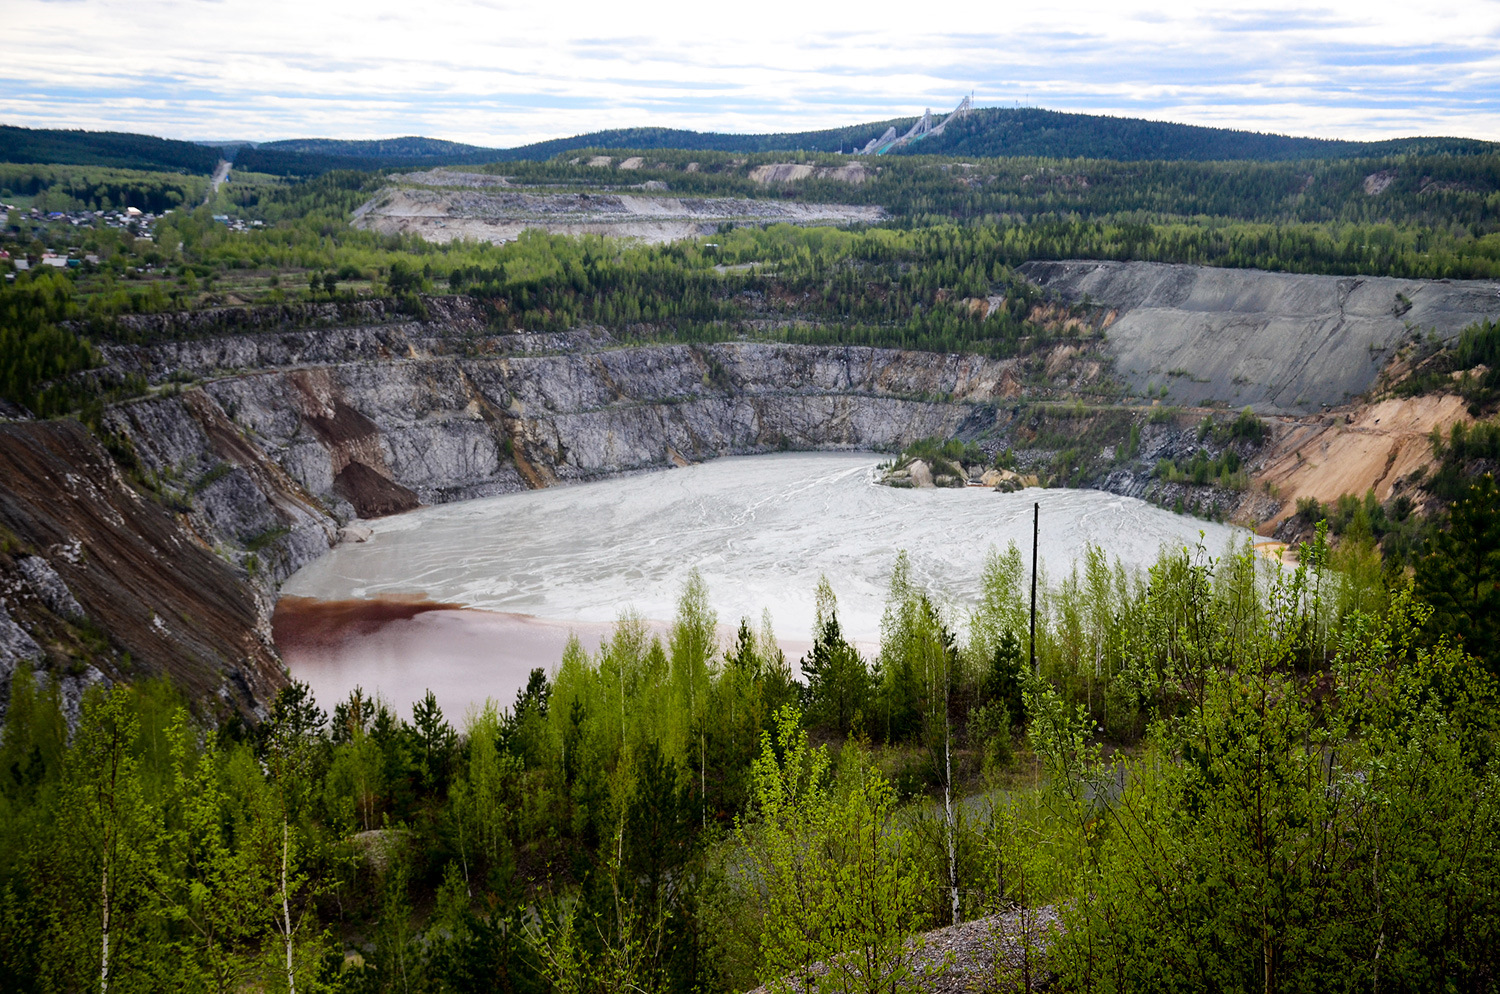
[1300,787]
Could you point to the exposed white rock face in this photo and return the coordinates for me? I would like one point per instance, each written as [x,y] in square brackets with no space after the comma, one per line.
[71,687]
[49,587]
[268,459]
[15,645]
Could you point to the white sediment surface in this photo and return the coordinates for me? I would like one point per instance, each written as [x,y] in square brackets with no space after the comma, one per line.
[759,529]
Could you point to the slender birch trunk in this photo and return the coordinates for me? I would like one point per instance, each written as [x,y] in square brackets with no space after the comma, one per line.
[104,953]
[111,839]
[286,911]
[948,796]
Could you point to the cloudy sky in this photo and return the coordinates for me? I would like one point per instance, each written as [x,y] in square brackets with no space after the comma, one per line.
[499,73]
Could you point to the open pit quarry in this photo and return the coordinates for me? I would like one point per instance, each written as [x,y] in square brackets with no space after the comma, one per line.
[443,205]
[169,544]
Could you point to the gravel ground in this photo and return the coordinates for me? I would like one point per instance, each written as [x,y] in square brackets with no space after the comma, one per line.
[978,957]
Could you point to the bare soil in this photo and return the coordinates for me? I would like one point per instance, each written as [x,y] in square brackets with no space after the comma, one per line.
[1369,447]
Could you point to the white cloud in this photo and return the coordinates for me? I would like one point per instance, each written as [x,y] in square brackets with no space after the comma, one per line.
[506,73]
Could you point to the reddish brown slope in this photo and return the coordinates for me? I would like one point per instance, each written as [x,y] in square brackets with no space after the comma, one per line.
[163,603]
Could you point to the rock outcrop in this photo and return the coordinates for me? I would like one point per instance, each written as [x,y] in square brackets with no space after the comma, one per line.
[289,437]
[1281,343]
[98,583]
[271,463]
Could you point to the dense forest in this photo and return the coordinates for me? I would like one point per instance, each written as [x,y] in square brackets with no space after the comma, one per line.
[410,147]
[1001,131]
[1219,773]
[104,148]
[67,188]
[1032,131]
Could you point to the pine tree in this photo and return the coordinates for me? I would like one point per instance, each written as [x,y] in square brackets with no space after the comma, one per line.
[1458,575]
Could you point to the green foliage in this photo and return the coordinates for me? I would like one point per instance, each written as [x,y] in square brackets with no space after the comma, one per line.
[1477,345]
[1222,470]
[834,877]
[94,188]
[35,352]
[104,148]
[1255,844]
[1297,776]
[917,663]
[943,457]
[838,694]
[1459,573]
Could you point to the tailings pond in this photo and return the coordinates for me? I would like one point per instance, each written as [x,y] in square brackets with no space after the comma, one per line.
[466,598]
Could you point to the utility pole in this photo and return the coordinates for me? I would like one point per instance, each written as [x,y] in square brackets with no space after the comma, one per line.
[1036,531]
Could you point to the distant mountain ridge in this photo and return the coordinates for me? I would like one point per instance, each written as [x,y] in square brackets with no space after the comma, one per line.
[986,132]
[121,150]
[409,147]
[993,132]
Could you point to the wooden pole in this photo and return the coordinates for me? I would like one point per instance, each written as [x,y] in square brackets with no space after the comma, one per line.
[1036,531]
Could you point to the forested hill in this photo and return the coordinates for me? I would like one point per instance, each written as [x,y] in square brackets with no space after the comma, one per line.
[104,148]
[311,156]
[1031,131]
[314,156]
[409,147]
[831,140]
[989,132]
[999,132]
[293,162]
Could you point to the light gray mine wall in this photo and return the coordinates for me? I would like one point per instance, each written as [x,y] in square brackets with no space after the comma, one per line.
[1279,342]
[441,426]
[228,510]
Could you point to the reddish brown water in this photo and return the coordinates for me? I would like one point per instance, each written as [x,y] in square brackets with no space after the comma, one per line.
[402,647]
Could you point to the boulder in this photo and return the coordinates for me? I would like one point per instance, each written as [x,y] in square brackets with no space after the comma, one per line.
[356,531]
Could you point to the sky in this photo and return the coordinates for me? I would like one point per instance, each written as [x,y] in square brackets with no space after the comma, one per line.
[497,73]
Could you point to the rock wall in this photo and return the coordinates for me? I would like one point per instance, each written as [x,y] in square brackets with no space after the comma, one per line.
[99,584]
[269,464]
[1281,343]
[252,475]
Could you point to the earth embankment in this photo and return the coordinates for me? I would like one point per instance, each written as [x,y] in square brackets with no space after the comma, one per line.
[1281,343]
